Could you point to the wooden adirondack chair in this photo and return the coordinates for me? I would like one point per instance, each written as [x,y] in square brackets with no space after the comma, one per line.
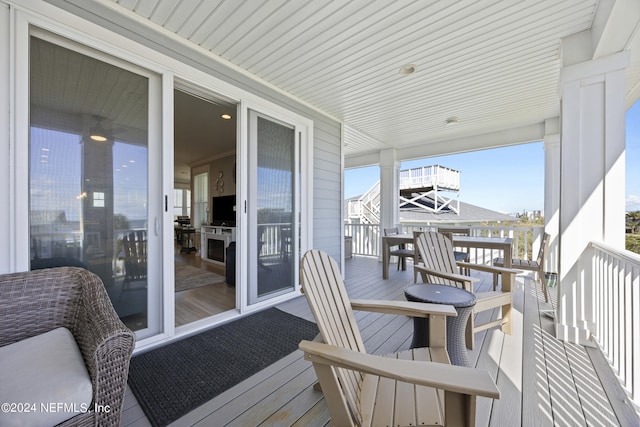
[406,389]
[449,232]
[536,265]
[439,266]
[134,247]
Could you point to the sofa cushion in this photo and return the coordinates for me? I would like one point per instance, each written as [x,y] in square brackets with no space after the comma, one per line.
[43,380]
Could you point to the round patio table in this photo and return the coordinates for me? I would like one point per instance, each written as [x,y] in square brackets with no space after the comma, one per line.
[462,300]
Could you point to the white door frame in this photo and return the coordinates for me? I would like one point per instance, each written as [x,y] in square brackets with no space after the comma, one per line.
[304,136]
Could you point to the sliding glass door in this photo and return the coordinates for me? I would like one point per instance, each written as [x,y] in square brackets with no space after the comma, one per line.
[272,207]
[91,194]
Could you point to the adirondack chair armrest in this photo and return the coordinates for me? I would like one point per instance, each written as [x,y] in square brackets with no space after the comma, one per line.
[404,308]
[445,275]
[456,379]
[488,268]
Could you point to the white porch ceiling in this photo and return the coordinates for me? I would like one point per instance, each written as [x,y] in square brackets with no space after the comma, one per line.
[493,64]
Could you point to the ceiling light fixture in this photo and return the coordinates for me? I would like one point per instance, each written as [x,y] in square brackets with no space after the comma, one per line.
[98,133]
[451,121]
[98,136]
[408,69]
[226,116]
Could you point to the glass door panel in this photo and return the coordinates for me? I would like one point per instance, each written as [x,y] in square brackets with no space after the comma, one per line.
[272,207]
[89,175]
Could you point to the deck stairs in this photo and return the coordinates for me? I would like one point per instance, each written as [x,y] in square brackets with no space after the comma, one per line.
[419,188]
[366,208]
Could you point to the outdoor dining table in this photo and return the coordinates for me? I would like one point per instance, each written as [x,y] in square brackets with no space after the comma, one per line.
[500,243]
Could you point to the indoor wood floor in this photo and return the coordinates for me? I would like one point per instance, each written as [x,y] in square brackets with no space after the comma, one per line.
[543,381]
[199,303]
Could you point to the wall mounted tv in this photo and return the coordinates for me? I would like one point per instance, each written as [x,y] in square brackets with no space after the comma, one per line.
[223,211]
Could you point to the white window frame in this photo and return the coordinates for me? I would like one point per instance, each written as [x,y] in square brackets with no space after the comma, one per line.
[196,219]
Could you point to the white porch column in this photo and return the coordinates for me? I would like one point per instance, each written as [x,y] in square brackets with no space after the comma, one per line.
[592,190]
[552,190]
[389,189]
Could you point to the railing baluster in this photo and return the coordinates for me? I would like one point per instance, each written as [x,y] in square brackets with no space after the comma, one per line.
[628,322]
[634,385]
[616,290]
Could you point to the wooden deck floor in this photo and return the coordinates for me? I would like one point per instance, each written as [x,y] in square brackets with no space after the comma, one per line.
[543,381]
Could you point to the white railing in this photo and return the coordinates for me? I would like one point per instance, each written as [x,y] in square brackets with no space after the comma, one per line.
[526,240]
[616,309]
[365,238]
[430,176]
[275,238]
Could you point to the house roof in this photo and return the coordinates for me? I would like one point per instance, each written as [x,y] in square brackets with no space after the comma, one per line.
[492,65]
[468,213]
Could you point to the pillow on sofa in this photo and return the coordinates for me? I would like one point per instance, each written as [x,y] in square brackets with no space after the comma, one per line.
[43,380]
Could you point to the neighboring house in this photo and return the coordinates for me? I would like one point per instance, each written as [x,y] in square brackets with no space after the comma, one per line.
[467,214]
[97,119]
[632,222]
[426,194]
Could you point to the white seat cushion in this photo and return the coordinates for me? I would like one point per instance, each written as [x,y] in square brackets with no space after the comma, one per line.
[43,380]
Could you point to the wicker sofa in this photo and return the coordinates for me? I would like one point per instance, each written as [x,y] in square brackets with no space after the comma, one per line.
[33,303]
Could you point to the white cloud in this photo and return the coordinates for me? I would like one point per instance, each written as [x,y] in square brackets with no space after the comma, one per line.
[633,202]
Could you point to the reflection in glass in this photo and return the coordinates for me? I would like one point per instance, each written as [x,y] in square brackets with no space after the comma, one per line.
[88,172]
[275,206]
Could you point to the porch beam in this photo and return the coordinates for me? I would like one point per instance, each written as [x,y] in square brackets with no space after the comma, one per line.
[614,25]
[427,148]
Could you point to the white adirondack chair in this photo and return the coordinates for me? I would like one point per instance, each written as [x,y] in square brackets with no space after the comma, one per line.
[412,388]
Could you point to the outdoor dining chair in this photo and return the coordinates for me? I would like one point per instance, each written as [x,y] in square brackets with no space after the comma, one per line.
[400,251]
[536,265]
[411,388]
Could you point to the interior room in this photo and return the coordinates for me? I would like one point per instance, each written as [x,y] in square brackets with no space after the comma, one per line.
[204,200]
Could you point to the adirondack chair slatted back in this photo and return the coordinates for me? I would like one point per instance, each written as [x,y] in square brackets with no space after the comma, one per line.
[134,246]
[436,252]
[416,234]
[324,289]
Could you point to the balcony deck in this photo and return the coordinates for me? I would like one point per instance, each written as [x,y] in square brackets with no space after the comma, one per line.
[543,381]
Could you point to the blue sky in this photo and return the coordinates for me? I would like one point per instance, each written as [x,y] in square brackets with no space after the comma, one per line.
[633,158]
[509,179]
